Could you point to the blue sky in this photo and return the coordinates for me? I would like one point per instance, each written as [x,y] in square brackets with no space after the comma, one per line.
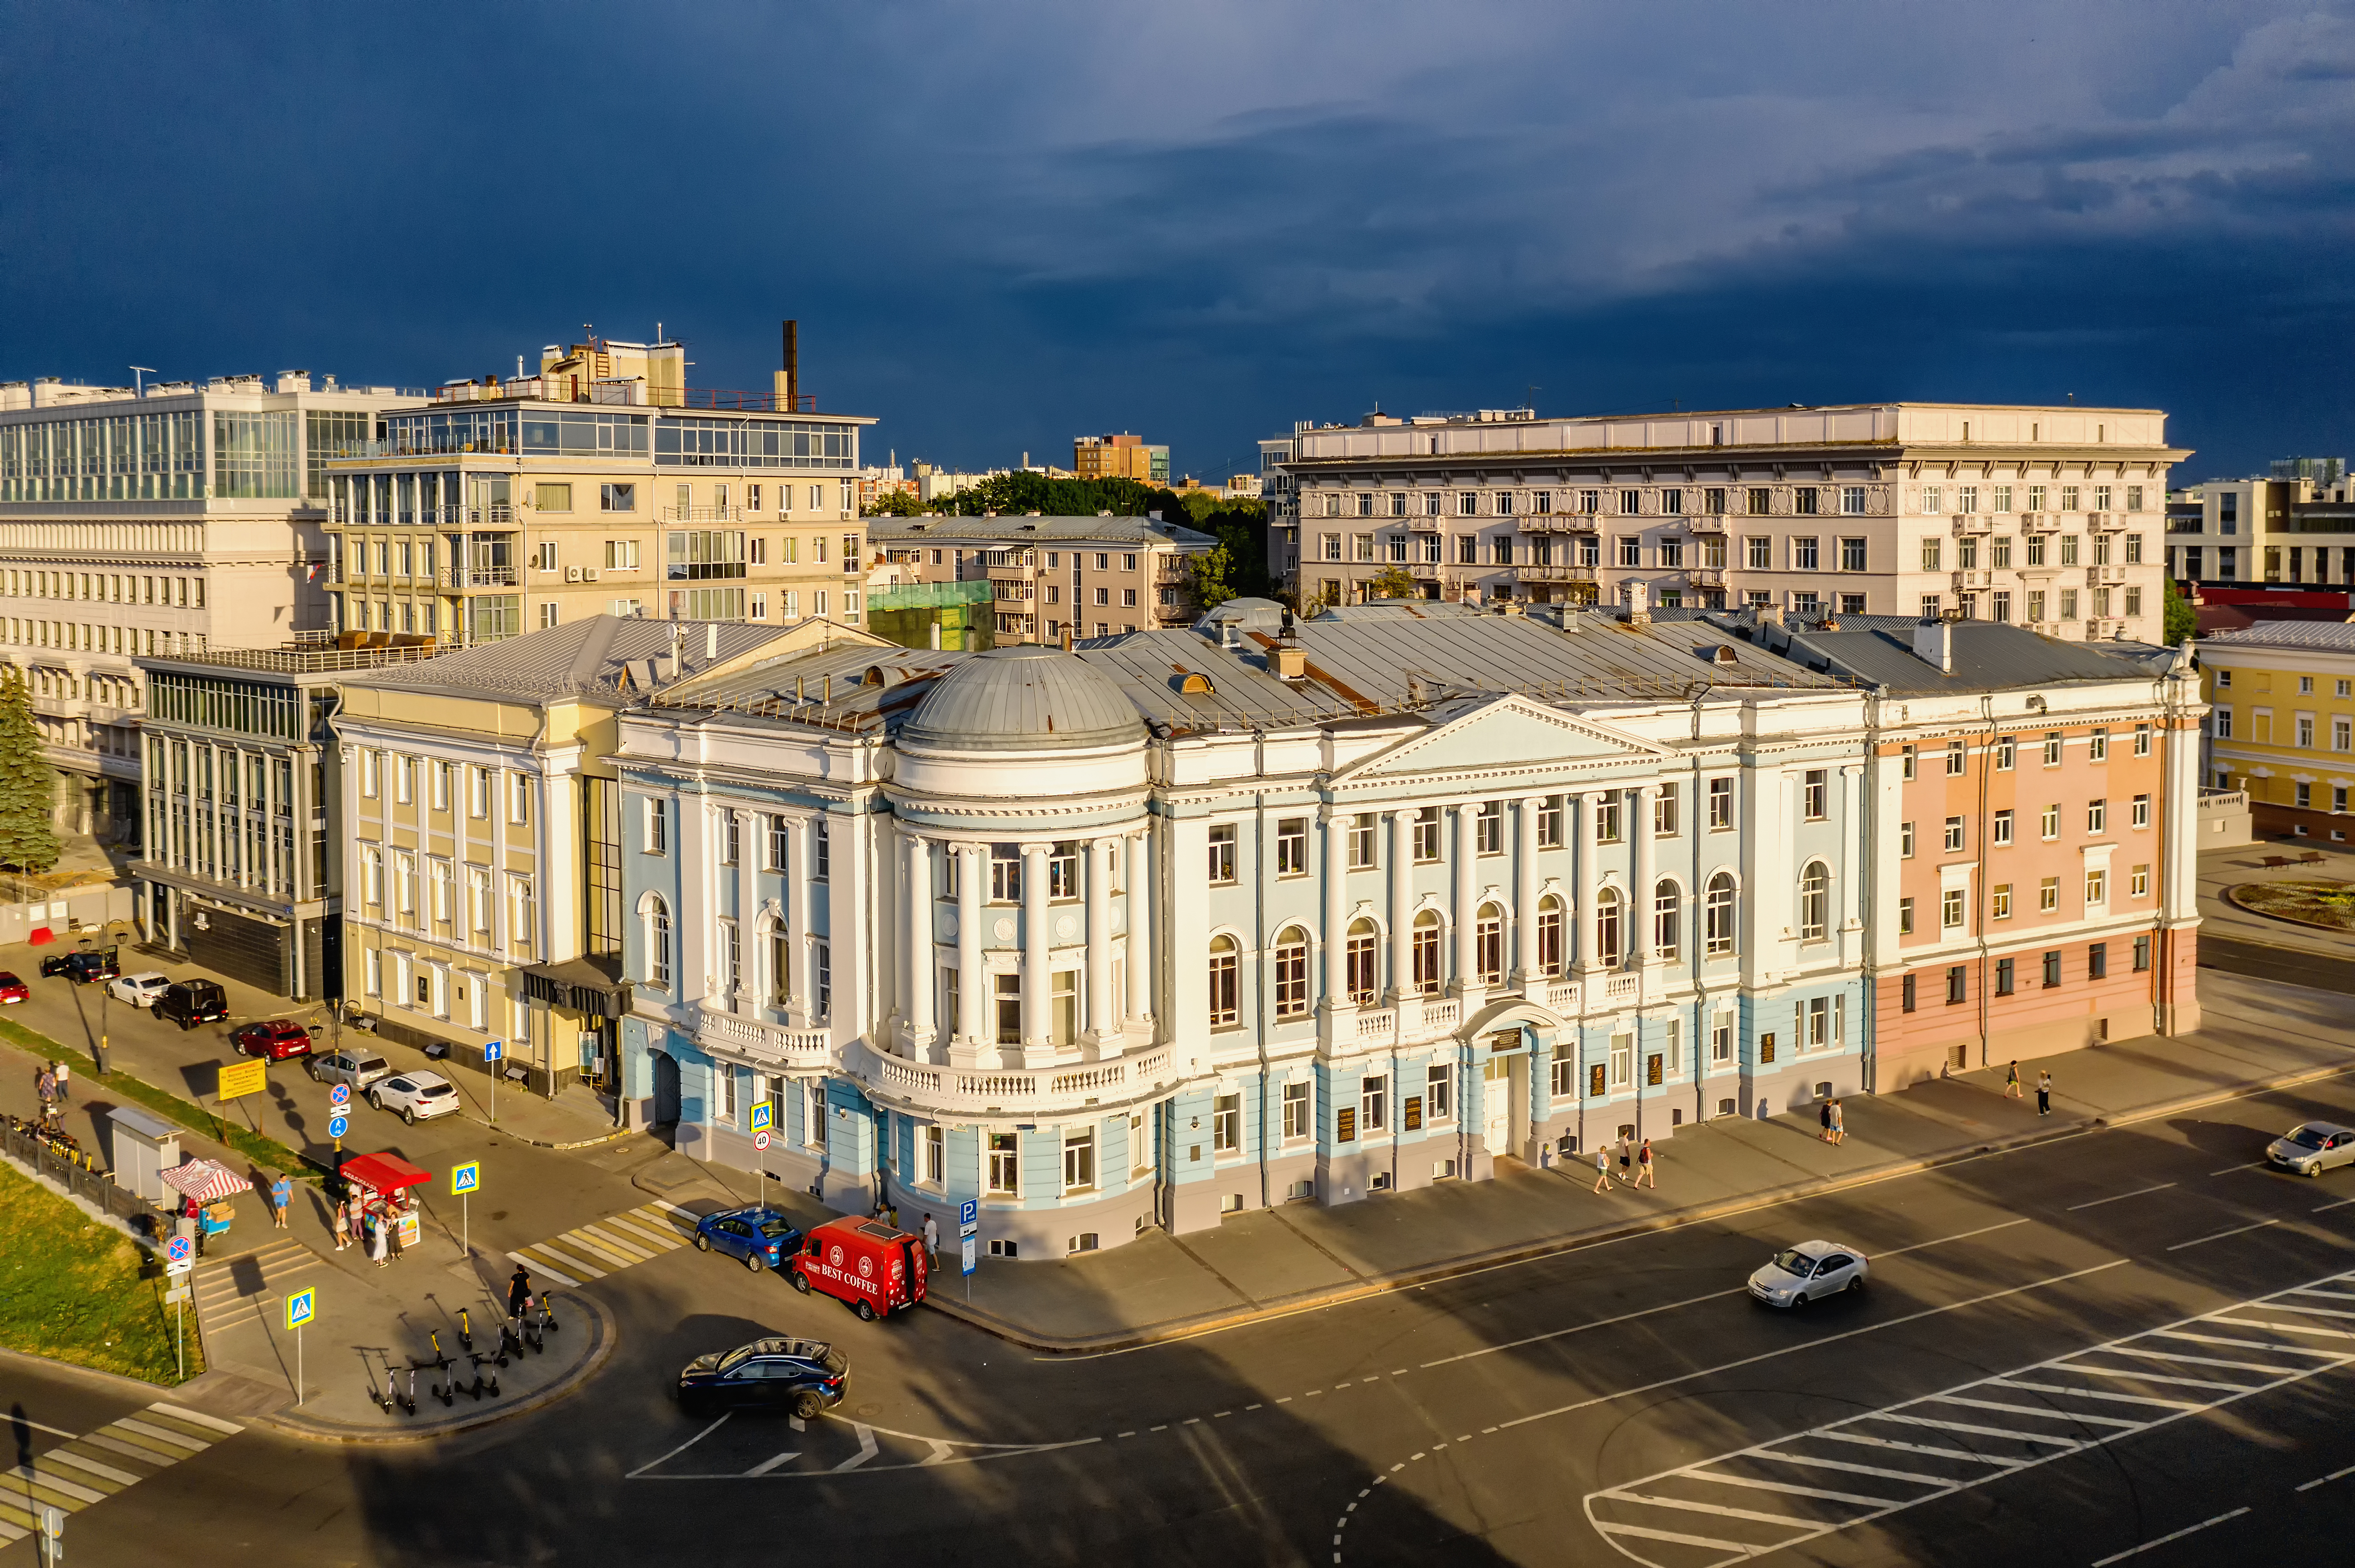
[1004,225]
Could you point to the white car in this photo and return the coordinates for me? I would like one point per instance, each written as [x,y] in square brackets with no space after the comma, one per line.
[418,1096]
[141,990]
[1807,1272]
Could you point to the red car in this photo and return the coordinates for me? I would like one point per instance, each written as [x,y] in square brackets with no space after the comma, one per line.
[276,1040]
[12,988]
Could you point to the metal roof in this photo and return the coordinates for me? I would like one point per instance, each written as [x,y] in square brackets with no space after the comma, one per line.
[1986,656]
[2321,636]
[1025,697]
[592,657]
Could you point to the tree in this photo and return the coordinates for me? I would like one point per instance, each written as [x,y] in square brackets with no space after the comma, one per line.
[29,785]
[1393,582]
[1213,578]
[899,503]
[2181,619]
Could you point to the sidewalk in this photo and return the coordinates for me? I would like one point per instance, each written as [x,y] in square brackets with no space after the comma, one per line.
[365,1315]
[1285,1258]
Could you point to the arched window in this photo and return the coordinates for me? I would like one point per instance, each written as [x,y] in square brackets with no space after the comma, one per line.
[1489,944]
[1721,915]
[1226,963]
[1426,953]
[657,918]
[1606,928]
[1814,901]
[1291,973]
[1361,977]
[1550,936]
[1668,921]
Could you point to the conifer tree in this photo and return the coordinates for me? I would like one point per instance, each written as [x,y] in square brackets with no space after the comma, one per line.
[29,785]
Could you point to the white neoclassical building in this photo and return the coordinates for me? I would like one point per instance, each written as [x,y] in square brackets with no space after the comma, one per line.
[1187,923]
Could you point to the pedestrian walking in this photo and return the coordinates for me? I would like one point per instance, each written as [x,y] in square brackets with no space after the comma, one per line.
[45,1084]
[1840,1123]
[1626,1157]
[933,1241]
[281,1193]
[518,1292]
[343,1221]
[1824,1119]
[1602,1170]
[2011,1082]
[65,1082]
[894,1212]
[2043,1093]
[375,1240]
[1646,1172]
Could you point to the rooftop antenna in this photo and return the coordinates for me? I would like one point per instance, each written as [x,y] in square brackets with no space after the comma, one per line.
[134,370]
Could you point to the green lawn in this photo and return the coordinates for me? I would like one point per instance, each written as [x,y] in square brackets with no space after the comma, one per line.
[70,1288]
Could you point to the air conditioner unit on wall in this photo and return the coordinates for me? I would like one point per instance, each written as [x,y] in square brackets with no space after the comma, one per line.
[587,573]
[572,574]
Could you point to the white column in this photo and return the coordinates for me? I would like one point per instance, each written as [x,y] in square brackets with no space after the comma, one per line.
[1101,1022]
[1401,901]
[1525,890]
[853,936]
[1036,940]
[797,879]
[1335,920]
[916,957]
[1639,832]
[1140,929]
[1465,854]
[973,983]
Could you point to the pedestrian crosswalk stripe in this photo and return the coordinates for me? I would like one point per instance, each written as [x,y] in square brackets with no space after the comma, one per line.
[50,1488]
[71,1478]
[84,1462]
[665,1241]
[611,1244]
[607,1245]
[1635,1514]
[576,1266]
[198,1418]
[531,1261]
[150,1429]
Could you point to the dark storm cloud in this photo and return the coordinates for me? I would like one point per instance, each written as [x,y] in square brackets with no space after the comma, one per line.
[1001,227]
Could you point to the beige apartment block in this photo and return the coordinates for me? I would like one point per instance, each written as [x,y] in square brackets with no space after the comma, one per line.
[599,487]
[2052,518]
[168,519]
[1051,577]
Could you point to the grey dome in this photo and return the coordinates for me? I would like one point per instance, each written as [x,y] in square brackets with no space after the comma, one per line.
[1029,697]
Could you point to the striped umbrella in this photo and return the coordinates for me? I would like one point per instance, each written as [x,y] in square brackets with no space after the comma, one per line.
[206,1181]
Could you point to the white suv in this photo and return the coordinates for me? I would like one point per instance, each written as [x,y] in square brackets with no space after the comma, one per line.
[415,1096]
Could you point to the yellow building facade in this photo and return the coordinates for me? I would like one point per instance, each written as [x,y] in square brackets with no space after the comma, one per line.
[2282,724]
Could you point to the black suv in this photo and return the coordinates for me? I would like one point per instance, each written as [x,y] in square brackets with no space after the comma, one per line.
[82,969]
[801,1377]
[189,1003]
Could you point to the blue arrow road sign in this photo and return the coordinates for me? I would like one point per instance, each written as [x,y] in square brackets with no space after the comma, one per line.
[493,1050]
[338,1125]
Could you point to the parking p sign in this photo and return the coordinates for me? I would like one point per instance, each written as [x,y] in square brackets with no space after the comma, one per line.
[968,1217]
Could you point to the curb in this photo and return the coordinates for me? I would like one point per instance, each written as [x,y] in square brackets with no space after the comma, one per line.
[544,1143]
[1527,1252]
[346,1435]
[118,1382]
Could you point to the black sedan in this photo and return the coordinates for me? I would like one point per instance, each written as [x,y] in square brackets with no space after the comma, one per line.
[801,1377]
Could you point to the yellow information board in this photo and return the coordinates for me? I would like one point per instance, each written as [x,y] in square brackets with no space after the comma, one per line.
[239,1079]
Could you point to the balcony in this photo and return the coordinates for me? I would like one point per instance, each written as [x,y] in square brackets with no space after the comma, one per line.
[1971,523]
[1043,1092]
[1705,576]
[1559,523]
[2109,573]
[1424,525]
[2107,522]
[777,1049]
[1707,523]
[2038,521]
[480,576]
[1557,574]
[1971,580]
[702,513]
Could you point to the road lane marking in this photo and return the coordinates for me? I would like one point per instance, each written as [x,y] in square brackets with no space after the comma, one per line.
[765,1465]
[682,1449]
[198,1418]
[1619,1514]
[84,1462]
[163,1434]
[2321,1480]
[2145,1546]
[2220,1235]
[2228,1170]
[2117,1197]
[1692,1300]
[2334,1203]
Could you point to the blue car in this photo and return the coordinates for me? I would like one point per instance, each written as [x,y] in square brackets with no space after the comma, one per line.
[763,1238]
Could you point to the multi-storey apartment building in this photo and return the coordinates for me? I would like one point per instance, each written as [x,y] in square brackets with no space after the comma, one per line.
[240,869]
[2281,724]
[2295,525]
[600,486]
[2032,843]
[1122,456]
[2047,518]
[481,833]
[166,518]
[1051,577]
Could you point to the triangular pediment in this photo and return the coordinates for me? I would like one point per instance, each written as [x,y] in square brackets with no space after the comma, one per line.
[1511,732]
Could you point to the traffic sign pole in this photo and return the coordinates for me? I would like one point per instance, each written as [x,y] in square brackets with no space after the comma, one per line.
[493,1052]
[463,1179]
[761,1151]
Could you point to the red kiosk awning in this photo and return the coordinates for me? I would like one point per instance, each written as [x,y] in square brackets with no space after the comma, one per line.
[384,1172]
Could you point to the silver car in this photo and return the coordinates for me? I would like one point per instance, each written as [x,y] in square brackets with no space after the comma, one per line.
[349,1065]
[2311,1148]
[1804,1273]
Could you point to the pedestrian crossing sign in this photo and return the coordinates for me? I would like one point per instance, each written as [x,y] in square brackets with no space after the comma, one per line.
[465,1177]
[760,1113]
[300,1307]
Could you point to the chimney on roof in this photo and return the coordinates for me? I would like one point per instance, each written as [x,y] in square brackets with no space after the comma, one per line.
[1067,637]
[677,642]
[1933,643]
[1639,608]
[1288,662]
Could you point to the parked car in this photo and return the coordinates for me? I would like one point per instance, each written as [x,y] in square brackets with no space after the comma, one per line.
[189,1003]
[801,1377]
[875,1268]
[761,1237]
[417,1097]
[140,990]
[350,1066]
[1808,1271]
[12,988]
[2311,1148]
[82,969]
[274,1041]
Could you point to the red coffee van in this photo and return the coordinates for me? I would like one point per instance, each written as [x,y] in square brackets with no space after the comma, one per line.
[875,1267]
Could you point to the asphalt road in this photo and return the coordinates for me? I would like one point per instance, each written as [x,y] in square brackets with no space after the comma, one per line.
[1623,1403]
